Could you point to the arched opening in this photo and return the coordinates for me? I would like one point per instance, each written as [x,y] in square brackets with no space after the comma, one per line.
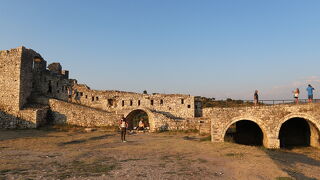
[244,132]
[298,132]
[134,117]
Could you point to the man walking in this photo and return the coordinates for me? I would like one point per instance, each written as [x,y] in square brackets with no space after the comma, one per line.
[310,90]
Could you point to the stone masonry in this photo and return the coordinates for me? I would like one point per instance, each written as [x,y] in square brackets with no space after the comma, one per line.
[31,90]
[268,118]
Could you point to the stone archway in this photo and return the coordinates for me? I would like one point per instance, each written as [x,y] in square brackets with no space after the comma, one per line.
[134,116]
[246,128]
[298,130]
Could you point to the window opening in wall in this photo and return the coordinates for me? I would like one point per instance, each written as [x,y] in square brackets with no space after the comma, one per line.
[122,103]
[57,84]
[81,93]
[97,98]
[110,102]
[189,106]
[151,102]
[139,102]
[161,102]
[77,94]
[58,91]
[49,87]
[86,96]
[182,101]
[131,102]
[92,99]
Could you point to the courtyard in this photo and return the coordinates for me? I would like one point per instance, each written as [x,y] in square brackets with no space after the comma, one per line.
[73,153]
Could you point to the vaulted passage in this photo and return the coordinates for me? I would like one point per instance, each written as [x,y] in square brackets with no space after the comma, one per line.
[295,132]
[244,132]
[135,116]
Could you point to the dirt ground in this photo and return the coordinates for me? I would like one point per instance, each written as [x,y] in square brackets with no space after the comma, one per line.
[75,154]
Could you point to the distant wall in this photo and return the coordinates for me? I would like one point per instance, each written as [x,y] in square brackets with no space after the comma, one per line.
[69,113]
[178,105]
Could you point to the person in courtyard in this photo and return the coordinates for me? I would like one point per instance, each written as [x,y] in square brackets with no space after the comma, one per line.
[141,125]
[123,128]
[256,97]
[296,93]
[310,90]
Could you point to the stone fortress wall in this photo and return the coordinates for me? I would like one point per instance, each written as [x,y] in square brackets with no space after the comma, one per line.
[268,118]
[31,92]
[177,105]
[24,79]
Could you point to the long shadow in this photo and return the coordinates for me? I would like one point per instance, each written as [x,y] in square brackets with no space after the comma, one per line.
[287,161]
[79,141]
[101,137]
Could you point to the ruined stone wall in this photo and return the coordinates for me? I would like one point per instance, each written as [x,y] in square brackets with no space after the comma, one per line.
[10,63]
[26,75]
[50,83]
[268,118]
[27,118]
[74,114]
[177,105]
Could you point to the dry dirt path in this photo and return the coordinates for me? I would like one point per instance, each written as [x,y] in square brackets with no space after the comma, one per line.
[73,154]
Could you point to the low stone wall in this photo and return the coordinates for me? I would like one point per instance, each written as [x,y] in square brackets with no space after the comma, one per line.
[74,114]
[27,118]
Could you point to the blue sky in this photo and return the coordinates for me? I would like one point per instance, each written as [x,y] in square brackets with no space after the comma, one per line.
[211,48]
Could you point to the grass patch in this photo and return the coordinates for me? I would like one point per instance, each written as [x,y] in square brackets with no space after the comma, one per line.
[79,168]
[234,154]
[127,160]
[284,178]
[202,160]
[208,138]
[174,132]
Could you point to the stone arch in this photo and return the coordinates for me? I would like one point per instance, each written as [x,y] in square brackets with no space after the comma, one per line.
[313,125]
[255,120]
[148,112]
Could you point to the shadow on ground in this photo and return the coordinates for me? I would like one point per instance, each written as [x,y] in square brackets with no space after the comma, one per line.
[287,161]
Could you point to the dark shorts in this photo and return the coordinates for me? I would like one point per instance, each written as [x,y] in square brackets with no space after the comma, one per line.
[310,96]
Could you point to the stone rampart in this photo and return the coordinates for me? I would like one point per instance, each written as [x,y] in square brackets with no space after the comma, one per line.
[74,114]
[268,118]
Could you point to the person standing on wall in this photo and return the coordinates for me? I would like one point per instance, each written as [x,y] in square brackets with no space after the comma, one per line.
[310,90]
[123,128]
[256,97]
[296,93]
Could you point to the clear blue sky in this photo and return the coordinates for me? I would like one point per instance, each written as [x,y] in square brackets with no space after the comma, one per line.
[225,48]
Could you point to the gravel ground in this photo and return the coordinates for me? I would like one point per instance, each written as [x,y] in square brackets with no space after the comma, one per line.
[75,154]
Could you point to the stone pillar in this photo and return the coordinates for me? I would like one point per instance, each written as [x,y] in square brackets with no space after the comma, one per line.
[272,143]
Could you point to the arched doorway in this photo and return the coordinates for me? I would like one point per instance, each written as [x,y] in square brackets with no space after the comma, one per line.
[135,116]
[244,132]
[298,132]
